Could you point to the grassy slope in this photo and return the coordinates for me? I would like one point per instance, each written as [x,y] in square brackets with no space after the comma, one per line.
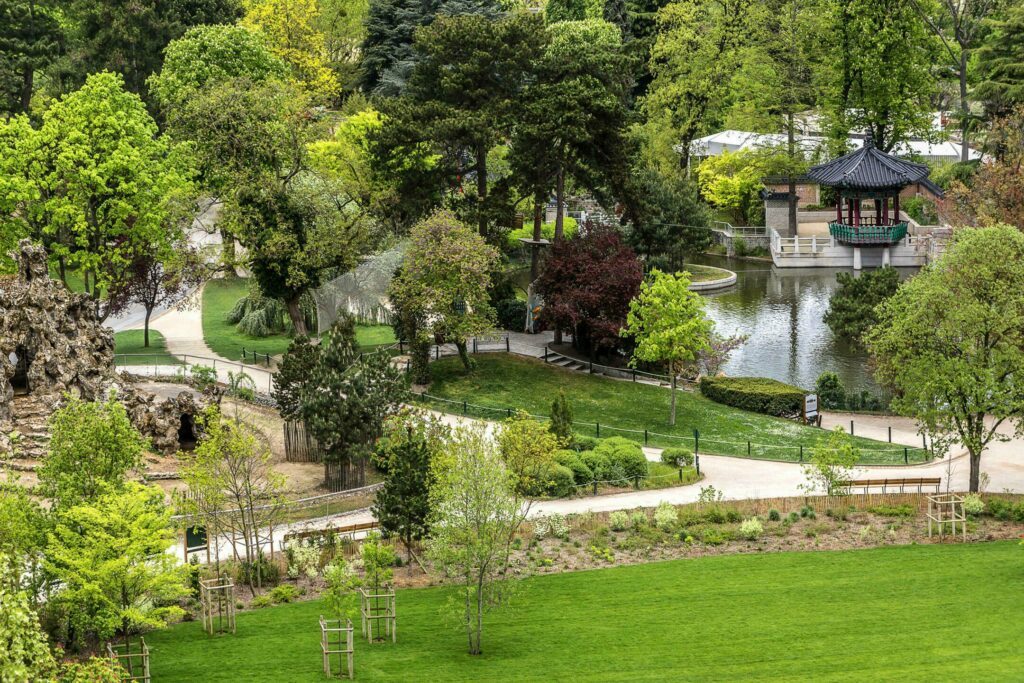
[130,342]
[501,381]
[220,296]
[946,612]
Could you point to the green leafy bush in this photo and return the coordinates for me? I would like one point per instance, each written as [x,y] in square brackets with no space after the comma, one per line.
[973,504]
[892,510]
[638,520]
[584,443]
[597,463]
[830,390]
[756,394]
[618,520]
[261,601]
[751,529]
[561,482]
[284,593]
[665,515]
[581,474]
[774,516]
[511,314]
[203,377]
[625,454]
[713,536]
[1005,510]
[677,456]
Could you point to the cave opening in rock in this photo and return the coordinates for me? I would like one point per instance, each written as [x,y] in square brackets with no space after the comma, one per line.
[187,433]
[22,362]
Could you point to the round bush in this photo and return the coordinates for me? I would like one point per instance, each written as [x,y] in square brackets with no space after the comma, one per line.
[665,516]
[756,394]
[597,463]
[677,457]
[560,482]
[618,520]
[581,474]
[625,454]
[751,529]
[584,443]
[973,504]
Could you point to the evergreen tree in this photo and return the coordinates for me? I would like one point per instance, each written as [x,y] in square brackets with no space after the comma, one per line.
[29,41]
[347,401]
[402,505]
[1001,64]
[666,218]
[853,308]
[294,375]
[561,418]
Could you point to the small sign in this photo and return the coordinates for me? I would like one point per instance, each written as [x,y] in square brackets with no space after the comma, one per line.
[810,406]
[195,539]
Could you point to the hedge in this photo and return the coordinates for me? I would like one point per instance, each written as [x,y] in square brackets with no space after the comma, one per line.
[756,394]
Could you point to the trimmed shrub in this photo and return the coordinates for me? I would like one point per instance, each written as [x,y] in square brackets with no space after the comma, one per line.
[625,454]
[756,394]
[677,456]
[560,481]
[581,474]
[751,529]
[597,463]
[773,515]
[584,443]
[618,520]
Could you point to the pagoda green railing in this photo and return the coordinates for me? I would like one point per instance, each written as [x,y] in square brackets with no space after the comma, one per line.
[867,234]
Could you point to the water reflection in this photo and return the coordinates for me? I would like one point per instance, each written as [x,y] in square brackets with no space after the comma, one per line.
[782,310]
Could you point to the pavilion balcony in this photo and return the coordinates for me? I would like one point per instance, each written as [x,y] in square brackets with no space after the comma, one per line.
[868,233]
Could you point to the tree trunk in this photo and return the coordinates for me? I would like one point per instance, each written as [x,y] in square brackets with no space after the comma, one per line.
[791,142]
[559,205]
[538,221]
[145,327]
[975,471]
[481,188]
[295,313]
[27,85]
[672,412]
[965,107]
[467,362]
[227,253]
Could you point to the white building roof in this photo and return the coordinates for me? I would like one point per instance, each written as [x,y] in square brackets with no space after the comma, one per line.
[736,140]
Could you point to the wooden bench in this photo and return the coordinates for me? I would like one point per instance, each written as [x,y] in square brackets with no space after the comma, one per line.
[890,485]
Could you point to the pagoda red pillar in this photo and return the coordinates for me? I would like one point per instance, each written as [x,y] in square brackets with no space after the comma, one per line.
[849,210]
[885,212]
[839,208]
[896,208]
[856,212]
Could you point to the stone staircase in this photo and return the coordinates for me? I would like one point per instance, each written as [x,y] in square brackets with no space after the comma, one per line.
[30,415]
[569,363]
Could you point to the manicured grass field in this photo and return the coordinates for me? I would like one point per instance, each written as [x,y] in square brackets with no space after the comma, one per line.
[501,382]
[223,338]
[935,612]
[130,342]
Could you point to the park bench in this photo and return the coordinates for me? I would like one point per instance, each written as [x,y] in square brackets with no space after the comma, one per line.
[890,485]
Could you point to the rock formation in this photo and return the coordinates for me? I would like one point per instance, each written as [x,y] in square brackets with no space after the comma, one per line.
[51,345]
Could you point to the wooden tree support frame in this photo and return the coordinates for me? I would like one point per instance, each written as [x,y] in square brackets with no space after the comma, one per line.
[379,615]
[947,509]
[337,638]
[217,601]
[134,665]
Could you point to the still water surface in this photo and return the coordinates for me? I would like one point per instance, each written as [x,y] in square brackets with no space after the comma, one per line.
[782,309]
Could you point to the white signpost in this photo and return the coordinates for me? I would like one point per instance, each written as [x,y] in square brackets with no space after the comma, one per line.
[810,407]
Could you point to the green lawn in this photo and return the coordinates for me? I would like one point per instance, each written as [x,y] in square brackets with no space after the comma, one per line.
[699,273]
[130,342]
[502,382]
[933,612]
[224,339]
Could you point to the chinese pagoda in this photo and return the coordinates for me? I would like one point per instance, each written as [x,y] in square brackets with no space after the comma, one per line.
[868,174]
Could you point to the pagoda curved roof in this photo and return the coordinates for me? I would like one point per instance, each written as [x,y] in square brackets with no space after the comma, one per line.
[868,168]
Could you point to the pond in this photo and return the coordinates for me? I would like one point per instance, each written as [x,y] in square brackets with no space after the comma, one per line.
[782,310]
